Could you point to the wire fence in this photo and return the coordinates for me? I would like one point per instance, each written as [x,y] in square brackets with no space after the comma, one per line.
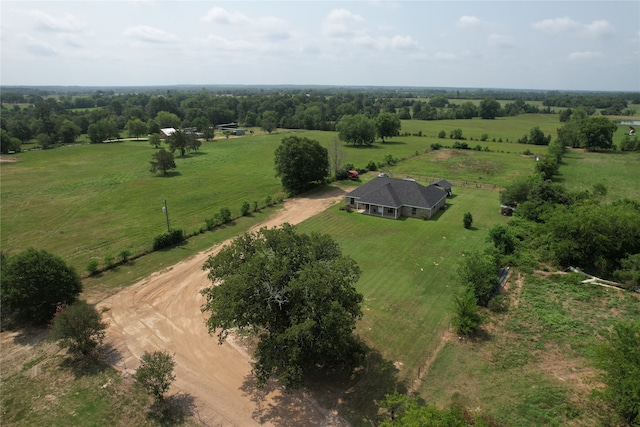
[455,183]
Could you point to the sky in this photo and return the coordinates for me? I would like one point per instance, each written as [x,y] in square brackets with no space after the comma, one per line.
[540,45]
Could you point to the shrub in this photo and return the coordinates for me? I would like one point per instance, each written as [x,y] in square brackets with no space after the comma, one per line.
[466,319]
[255,206]
[484,137]
[155,373]
[461,145]
[442,134]
[166,240]
[244,210]
[467,220]
[268,201]
[436,146]
[124,255]
[225,215]
[372,166]
[79,328]
[92,266]
[108,260]
[497,304]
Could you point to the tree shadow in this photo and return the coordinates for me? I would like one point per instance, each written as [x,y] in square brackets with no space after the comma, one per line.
[86,366]
[169,174]
[353,397]
[173,410]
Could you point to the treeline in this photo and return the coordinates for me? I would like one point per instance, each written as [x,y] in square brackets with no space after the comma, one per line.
[50,120]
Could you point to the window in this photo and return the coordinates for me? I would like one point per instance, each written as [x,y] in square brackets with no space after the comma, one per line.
[389,210]
[414,211]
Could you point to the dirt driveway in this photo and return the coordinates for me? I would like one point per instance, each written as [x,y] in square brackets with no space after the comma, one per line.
[162,312]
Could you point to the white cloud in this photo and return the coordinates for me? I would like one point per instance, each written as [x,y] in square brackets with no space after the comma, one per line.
[36,46]
[469,21]
[452,56]
[222,43]
[501,41]
[222,16]
[567,25]
[584,56]
[599,29]
[67,24]
[149,34]
[343,23]
[403,42]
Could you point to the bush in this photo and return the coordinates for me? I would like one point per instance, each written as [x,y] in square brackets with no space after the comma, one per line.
[244,210]
[108,260]
[155,373]
[442,134]
[436,146]
[461,145]
[79,328]
[467,220]
[268,201]
[372,166]
[497,304]
[166,240]
[466,319]
[255,206]
[225,215]
[124,255]
[92,266]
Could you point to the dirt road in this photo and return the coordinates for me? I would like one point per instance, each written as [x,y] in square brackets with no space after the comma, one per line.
[162,312]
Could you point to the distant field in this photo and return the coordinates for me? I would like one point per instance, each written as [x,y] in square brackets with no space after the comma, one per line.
[618,171]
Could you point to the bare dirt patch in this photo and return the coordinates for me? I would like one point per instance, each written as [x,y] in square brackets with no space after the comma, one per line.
[162,312]
[4,159]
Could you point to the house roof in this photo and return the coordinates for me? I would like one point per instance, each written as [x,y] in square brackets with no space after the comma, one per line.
[394,192]
[444,184]
[168,131]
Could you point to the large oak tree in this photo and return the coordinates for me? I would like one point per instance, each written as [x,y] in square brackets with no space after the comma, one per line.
[295,293]
[299,162]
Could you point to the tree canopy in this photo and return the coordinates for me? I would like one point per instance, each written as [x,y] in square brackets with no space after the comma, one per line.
[163,161]
[489,108]
[596,133]
[296,293]
[387,125]
[79,328]
[356,129]
[299,162]
[155,373]
[34,282]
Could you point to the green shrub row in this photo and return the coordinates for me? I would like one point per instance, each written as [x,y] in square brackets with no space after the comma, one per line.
[168,239]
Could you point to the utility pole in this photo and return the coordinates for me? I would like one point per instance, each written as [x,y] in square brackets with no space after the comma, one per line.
[166,214]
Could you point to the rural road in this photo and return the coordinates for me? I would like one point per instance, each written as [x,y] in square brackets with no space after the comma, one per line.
[162,312]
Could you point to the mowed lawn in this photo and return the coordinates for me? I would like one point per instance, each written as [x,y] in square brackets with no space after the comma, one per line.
[87,201]
[408,271]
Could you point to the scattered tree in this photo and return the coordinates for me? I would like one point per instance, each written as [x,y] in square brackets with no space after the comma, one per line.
[178,140]
[155,373]
[336,156]
[299,162]
[596,133]
[162,161]
[356,129]
[79,328]
[136,127]
[35,282]
[269,121]
[489,108]
[296,293]
[387,125]
[155,140]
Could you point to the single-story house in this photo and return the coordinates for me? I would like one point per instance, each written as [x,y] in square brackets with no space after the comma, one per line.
[445,185]
[396,198]
[166,132]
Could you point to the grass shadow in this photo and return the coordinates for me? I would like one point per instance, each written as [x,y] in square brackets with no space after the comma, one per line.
[86,366]
[169,174]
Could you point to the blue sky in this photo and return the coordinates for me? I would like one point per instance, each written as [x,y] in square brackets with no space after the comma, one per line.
[549,45]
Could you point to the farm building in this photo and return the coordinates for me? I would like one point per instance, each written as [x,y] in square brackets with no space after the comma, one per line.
[166,132]
[396,198]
